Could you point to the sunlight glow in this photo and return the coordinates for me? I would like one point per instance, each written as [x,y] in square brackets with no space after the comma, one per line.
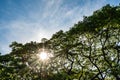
[43,56]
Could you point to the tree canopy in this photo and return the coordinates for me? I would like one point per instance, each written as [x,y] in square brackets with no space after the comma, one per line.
[90,50]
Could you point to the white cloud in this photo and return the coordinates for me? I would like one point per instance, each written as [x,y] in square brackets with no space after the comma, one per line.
[39,24]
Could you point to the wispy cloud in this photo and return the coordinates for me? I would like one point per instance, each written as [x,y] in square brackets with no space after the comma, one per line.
[41,19]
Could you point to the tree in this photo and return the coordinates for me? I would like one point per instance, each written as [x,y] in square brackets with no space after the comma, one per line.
[90,50]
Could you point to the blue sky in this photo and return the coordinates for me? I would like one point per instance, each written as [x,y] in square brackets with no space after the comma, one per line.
[30,20]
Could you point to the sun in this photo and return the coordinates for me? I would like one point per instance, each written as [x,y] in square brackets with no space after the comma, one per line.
[43,56]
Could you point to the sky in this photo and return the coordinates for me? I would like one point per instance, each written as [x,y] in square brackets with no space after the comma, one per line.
[30,20]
